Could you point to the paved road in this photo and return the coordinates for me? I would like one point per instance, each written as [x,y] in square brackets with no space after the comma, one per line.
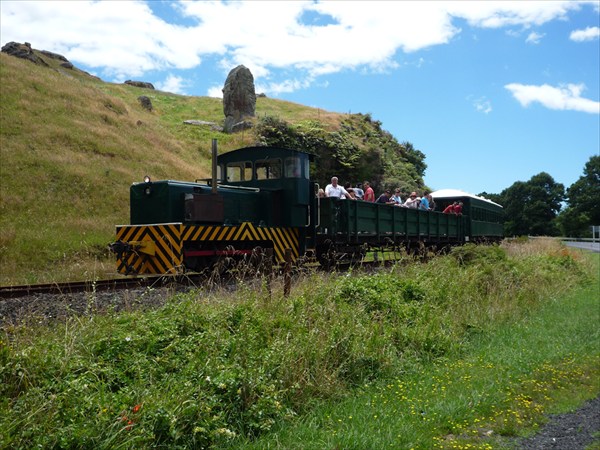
[593,246]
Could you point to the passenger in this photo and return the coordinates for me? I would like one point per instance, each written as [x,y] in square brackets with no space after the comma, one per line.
[359,191]
[321,193]
[347,186]
[351,194]
[396,197]
[385,198]
[335,190]
[450,208]
[458,209]
[412,201]
[369,192]
[431,202]
[424,204]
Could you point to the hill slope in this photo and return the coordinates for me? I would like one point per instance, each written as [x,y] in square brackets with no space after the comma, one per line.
[72,144]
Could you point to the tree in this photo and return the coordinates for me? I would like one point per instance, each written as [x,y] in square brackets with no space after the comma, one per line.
[359,149]
[572,223]
[531,207]
[584,195]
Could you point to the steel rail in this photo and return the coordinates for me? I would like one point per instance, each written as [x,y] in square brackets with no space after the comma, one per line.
[11,292]
[80,286]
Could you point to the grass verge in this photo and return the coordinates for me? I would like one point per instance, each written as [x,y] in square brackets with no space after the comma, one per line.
[423,355]
[501,386]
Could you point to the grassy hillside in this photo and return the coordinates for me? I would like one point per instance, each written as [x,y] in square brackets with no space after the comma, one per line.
[72,144]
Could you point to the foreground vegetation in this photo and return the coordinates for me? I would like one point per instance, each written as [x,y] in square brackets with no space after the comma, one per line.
[355,359]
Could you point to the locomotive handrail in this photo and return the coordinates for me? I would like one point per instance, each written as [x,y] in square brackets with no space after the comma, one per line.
[318,224]
[207,181]
[243,188]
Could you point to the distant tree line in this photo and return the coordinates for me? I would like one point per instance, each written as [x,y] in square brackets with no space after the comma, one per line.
[542,207]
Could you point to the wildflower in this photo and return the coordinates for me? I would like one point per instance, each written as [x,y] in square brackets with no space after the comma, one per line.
[136,408]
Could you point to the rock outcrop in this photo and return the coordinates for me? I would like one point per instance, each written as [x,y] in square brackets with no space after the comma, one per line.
[239,99]
[140,84]
[23,51]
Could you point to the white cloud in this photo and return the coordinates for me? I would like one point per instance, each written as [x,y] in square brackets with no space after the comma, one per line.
[566,97]
[215,91]
[589,34]
[534,38]
[497,14]
[127,39]
[174,84]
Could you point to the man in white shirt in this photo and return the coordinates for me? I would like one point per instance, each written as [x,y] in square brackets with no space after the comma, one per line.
[335,190]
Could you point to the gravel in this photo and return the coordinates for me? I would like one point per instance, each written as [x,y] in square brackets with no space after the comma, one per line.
[570,431]
[45,308]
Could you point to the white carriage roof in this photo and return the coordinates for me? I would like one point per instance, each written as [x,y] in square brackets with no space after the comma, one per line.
[451,193]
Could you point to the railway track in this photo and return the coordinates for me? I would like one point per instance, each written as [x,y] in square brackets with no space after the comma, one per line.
[7,292]
[12,292]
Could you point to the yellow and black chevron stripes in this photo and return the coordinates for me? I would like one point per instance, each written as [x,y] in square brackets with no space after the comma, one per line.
[158,249]
[281,238]
[164,256]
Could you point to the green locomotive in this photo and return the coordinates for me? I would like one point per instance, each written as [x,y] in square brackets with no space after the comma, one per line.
[262,198]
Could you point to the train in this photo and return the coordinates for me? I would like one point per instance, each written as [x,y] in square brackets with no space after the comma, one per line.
[262,200]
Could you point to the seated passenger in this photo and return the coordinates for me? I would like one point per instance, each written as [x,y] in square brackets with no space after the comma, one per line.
[359,191]
[321,193]
[431,202]
[385,198]
[424,204]
[412,201]
[458,208]
[351,194]
[335,190]
[396,197]
[450,208]
[369,192]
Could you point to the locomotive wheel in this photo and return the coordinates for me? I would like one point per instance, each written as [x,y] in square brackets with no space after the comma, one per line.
[326,256]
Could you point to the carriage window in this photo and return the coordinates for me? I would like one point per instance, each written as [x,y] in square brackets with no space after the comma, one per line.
[307,169]
[293,167]
[268,169]
[239,171]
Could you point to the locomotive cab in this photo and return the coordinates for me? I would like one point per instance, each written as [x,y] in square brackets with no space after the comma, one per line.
[280,176]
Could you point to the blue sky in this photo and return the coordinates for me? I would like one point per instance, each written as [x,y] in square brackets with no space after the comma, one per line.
[490,92]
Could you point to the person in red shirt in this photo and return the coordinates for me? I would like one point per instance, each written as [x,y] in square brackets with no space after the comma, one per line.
[369,192]
[449,209]
[458,208]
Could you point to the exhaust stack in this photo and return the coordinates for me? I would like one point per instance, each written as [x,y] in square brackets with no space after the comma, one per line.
[214,166]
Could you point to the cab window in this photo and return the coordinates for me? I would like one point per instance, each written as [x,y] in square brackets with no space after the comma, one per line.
[268,169]
[293,168]
[239,171]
